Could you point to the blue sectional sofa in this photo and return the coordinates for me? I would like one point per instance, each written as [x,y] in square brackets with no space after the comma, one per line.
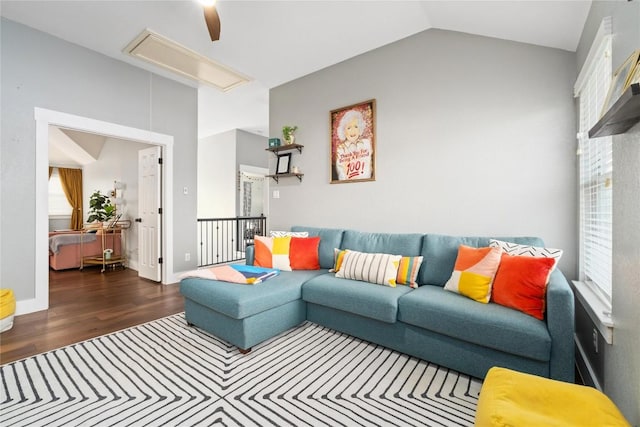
[428,322]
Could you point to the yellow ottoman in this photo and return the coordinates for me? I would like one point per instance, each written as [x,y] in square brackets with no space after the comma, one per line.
[7,309]
[511,398]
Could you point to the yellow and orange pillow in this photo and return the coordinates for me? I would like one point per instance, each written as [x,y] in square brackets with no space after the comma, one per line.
[474,271]
[272,252]
[287,253]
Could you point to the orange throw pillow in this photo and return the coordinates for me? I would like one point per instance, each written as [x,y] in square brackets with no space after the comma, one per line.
[521,283]
[303,253]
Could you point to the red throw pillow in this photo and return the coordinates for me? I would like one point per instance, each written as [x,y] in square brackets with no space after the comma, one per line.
[521,283]
[303,253]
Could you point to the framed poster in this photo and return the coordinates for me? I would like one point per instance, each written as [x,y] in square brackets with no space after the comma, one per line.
[284,163]
[353,137]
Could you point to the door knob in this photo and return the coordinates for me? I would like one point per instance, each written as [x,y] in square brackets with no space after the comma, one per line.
[138,219]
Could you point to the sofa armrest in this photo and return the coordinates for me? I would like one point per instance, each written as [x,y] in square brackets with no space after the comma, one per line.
[561,325]
[249,253]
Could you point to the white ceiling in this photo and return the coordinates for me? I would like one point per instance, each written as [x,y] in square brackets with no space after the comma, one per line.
[274,42]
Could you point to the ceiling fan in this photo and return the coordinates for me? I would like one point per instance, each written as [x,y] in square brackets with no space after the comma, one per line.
[211,18]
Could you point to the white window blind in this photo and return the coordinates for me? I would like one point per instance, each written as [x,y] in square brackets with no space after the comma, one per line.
[596,167]
[58,203]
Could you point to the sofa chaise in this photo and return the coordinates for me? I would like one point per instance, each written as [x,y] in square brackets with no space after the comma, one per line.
[428,322]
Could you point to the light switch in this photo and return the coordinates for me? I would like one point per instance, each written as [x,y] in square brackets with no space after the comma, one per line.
[276,194]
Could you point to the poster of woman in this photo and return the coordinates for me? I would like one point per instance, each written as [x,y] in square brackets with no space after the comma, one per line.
[353,143]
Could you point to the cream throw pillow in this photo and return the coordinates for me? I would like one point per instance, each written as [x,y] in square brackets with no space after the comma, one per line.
[381,269]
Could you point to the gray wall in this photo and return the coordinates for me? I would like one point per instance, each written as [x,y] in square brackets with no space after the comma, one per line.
[42,71]
[251,149]
[475,136]
[622,359]
[216,179]
[219,160]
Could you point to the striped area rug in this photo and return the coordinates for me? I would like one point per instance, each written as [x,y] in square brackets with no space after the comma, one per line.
[164,373]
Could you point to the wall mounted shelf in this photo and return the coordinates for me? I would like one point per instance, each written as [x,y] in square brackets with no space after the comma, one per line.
[277,177]
[622,115]
[289,147]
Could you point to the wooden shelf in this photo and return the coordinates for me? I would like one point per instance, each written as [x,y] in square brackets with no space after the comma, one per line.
[622,115]
[112,232]
[277,177]
[289,147]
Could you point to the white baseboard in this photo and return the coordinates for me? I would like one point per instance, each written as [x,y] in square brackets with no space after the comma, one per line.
[30,306]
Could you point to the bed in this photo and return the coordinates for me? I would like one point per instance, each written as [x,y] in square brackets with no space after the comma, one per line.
[65,249]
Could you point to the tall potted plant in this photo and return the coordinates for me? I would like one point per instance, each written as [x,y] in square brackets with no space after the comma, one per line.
[100,208]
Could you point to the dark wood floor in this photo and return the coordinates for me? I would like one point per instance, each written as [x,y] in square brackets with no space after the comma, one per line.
[86,304]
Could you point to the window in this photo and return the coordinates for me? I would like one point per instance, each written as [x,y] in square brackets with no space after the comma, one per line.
[58,203]
[596,167]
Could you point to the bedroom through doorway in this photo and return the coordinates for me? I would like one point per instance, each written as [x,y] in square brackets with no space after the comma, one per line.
[46,120]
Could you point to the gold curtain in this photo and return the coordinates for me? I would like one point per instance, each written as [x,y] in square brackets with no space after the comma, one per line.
[50,171]
[71,180]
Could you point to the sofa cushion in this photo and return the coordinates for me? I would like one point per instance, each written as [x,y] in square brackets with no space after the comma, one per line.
[364,299]
[240,301]
[489,325]
[394,244]
[329,239]
[440,252]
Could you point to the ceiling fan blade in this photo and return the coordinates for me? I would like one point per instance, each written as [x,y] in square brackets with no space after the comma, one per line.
[213,22]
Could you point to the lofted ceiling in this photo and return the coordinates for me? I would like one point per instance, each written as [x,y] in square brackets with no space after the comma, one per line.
[274,41]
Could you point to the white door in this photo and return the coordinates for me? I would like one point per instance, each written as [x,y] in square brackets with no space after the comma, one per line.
[149,217]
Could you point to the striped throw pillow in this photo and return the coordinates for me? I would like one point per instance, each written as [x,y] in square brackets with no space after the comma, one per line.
[408,270]
[381,269]
[338,257]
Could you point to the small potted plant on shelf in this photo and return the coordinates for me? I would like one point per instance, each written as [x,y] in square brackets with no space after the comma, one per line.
[100,208]
[288,133]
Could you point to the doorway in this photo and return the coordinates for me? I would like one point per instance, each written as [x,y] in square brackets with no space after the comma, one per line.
[253,191]
[252,203]
[45,118]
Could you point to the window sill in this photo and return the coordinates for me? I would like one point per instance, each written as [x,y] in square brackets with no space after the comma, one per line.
[599,311]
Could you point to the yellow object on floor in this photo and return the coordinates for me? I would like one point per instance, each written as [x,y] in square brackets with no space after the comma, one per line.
[7,309]
[514,399]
